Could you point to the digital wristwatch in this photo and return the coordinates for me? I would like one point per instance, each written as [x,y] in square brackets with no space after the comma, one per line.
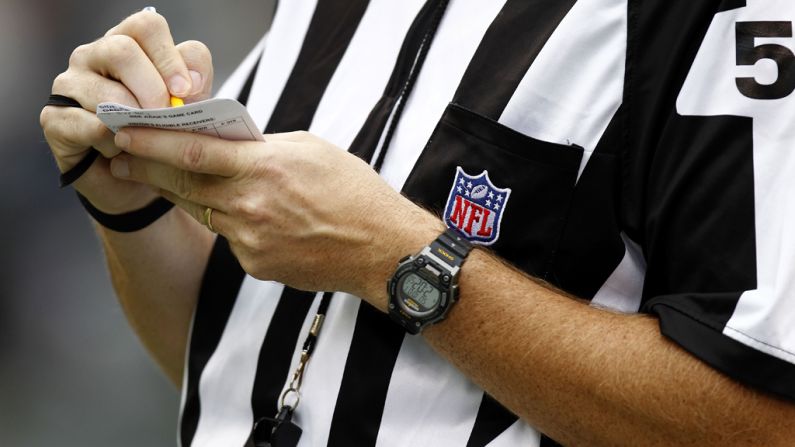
[425,286]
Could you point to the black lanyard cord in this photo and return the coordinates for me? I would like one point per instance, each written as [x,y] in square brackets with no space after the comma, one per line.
[306,353]
[280,431]
[408,86]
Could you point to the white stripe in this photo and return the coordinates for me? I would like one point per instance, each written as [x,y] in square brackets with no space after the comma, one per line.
[230,89]
[518,434]
[576,83]
[290,24]
[324,374]
[228,379]
[623,290]
[431,397]
[364,70]
[459,35]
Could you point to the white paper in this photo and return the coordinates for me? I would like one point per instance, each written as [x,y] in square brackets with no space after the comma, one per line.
[223,118]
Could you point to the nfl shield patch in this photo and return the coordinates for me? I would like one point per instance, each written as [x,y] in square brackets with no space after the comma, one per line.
[475,207]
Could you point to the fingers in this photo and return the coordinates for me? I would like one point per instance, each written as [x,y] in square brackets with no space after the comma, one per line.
[90,89]
[192,192]
[185,151]
[197,188]
[151,32]
[71,131]
[200,68]
[121,58]
[141,55]
[221,222]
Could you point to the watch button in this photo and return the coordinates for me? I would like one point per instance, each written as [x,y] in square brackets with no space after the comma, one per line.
[446,279]
[420,262]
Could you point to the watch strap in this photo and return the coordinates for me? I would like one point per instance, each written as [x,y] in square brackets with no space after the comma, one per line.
[451,247]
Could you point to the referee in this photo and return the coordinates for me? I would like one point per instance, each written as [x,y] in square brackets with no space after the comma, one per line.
[472,223]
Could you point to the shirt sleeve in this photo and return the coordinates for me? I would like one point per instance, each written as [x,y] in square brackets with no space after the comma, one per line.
[709,182]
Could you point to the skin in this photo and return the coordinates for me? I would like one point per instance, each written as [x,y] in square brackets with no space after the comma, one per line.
[585,376]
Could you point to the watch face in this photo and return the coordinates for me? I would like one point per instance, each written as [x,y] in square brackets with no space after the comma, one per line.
[417,294]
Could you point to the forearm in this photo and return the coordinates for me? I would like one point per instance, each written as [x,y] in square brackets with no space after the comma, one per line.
[157,273]
[582,375]
[586,376]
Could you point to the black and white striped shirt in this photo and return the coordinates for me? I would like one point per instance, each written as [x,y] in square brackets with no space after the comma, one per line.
[650,164]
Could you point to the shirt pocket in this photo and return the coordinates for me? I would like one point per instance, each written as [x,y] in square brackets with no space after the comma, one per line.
[541,176]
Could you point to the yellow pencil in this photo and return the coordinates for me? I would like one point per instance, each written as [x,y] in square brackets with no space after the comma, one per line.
[175,102]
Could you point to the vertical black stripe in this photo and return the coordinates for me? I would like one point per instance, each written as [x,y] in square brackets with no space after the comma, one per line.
[371,359]
[590,246]
[364,145]
[508,48]
[651,87]
[330,31]
[546,441]
[333,25]
[411,79]
[246,90]
[727,5]
[492,420]
[219,289]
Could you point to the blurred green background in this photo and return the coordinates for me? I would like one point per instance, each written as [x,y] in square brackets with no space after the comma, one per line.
[71,371]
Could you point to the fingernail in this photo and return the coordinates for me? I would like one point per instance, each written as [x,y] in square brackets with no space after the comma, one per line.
[196,78]
[119,167]
[178,85]
[122,139]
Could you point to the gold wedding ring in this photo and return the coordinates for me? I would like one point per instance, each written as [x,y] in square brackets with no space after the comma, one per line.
[208,219]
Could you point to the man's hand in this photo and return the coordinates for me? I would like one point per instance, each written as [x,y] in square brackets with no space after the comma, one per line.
[136,63]
[295,209]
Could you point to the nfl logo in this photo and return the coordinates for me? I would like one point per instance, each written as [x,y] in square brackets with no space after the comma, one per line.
[475,206]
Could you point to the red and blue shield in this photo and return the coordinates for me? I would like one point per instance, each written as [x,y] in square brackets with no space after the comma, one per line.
[475,207]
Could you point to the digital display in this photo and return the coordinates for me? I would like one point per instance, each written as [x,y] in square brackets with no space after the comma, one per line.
[421,291]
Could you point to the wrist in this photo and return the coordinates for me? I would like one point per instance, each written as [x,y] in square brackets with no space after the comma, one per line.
[119,205]
[415,230]
[131,221]
[110,196]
